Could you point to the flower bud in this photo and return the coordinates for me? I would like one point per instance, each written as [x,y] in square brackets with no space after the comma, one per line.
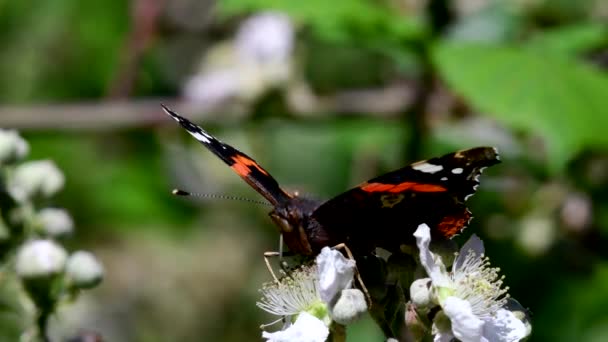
[12,147]
[349,307]
[420,293]
[415,325]
[84,270]
[40,258]
[36,178]
[55,222]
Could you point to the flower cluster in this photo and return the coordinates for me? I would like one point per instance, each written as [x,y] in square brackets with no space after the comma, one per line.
[30,234]
[467,302]
[259,58]
[471,296]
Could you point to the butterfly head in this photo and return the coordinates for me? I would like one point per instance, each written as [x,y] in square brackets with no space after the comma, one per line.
[296,225]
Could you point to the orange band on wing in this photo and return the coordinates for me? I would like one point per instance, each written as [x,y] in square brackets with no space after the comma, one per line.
[452,225]
[397,188]
[242,166]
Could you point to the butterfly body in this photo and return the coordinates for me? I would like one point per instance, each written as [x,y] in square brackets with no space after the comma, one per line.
[382,212]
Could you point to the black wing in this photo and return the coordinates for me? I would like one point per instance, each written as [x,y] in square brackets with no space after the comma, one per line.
[241,163]
[386,210]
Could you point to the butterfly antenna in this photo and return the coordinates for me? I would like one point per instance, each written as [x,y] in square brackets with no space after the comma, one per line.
[183,193]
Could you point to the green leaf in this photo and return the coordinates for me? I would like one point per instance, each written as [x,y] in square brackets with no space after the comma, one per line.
[354,20]
[561,100]
[571,40]
[585,305]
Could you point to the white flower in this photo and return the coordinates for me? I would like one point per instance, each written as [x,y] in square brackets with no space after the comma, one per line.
[55,222]
[84,270]
[33,178]
[293,294]
[40,258]
[314,291]
[12,146]
[265,38]
[307,328]
[471,295]
[259,58]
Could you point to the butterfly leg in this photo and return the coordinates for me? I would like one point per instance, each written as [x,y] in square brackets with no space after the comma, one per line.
[267,256]
[357,275]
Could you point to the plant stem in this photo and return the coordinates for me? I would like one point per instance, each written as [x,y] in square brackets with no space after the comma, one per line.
[338,333]
[42,323]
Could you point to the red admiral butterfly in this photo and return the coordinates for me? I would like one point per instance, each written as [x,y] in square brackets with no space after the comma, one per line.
[382,212]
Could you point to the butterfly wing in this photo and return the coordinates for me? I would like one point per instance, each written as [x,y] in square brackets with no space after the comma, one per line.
[386,210]
[241,163]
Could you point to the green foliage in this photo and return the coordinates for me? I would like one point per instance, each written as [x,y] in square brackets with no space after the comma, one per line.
[533,81]
[571,40]
[60,49]
[137,196]
[580,307]
[360,21]
[544,94]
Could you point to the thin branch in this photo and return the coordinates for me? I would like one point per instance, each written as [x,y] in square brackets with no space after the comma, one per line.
[110,115]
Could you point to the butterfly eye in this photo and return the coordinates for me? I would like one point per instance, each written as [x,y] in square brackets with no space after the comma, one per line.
[281,222]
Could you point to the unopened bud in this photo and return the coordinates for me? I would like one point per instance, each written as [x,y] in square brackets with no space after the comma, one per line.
[55,222]
[12,147]
[36,178]
[84,270]
[349,307]
[420,293]
[415,325]
[40,258]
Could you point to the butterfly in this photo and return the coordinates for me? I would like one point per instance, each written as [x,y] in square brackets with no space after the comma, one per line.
[382,212]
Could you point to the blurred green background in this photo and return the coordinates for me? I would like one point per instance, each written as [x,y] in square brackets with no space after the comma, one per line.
[324,95]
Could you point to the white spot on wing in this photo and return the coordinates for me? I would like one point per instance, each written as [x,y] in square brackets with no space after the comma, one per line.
[427,167]
[457,171]
[444,178]
[200,137]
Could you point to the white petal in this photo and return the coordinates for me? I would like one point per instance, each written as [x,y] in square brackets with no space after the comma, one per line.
[434,270]
[465,325]
[504,327]
[475,244]
[307,328]
[335,273]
